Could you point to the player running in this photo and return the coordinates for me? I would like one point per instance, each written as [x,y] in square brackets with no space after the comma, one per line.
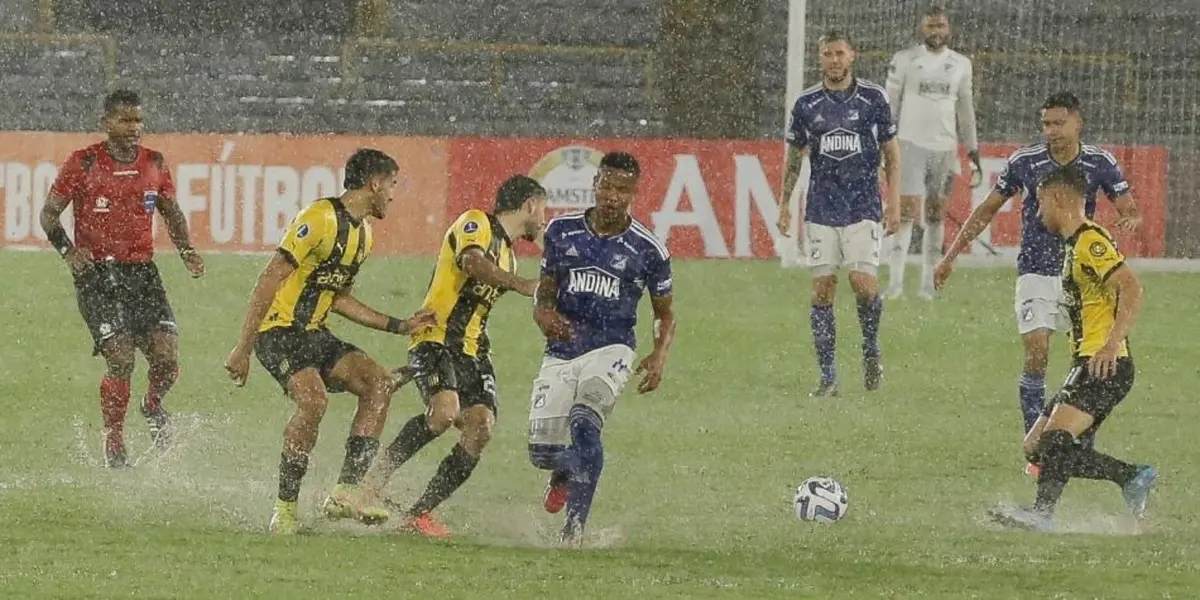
[595,267]
[311,275]
[115,187]
[845,125]
[930,87]
[451,361]
[1103,297]
[1039,262]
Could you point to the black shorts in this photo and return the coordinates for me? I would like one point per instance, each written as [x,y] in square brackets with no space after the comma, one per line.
[117,298]
[437,368]
[285,351]
[1096,397]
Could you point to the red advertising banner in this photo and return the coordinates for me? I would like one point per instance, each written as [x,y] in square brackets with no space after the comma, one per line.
[240,191]
[705,199]
[717,199]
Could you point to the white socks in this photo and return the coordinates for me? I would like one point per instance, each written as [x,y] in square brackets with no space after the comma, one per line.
[931,248]
[900,242]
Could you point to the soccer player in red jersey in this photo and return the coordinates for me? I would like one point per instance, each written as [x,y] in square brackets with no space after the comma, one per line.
[115,187]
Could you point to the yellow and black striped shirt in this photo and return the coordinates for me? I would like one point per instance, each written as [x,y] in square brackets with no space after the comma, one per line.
[1091,258]
[327,246]
[462,304]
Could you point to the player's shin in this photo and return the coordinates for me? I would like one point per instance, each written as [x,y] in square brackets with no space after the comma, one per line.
[1032,391]
[292,467]
[415,435]
[931,248]
[114,400]
[162,377]
[587,462]
[824,334]
[1090,464]
[360,451]
[453,471]
[897,257]
[1055,452]
[870,313]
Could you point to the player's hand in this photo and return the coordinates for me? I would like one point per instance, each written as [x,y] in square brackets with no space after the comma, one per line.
[942,272]
[785,220]
[238,364]
[420,321]
[976,169]
[1127,225]
[651,370]
[1103,364]
[78,260]
[553,325]
[193,262]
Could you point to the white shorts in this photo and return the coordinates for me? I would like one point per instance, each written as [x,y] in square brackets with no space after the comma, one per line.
[555,390]
[855,247]
[1037,302]
[926,173]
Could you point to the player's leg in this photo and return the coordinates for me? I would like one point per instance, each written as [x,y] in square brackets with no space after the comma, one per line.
[824,258]
[861,246]
[437,381]
[307,391]
[345,367]
[1036,309]
[603,373]
[154,323]
[477,397]
[912,188]
[292,359]
[119,354]
[549,427]
[940,184]
[161,349]
[103,312]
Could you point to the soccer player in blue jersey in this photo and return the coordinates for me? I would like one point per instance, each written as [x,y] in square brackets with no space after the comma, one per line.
[595,267]
[845,125]
[1040,261]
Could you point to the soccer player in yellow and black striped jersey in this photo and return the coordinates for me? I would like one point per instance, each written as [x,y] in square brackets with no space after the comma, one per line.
[310,276]
[1103,297]
[450,361]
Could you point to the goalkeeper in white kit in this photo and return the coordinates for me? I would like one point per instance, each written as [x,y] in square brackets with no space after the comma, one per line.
[930,88]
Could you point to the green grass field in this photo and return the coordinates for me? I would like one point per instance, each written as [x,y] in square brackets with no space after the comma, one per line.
[696,496]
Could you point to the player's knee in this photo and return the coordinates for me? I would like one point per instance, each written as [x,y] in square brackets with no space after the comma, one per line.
[909,205]
[545,456]
[308,392]
[373,381]
[934,212]
[477,424]
[119,357]
[1054,446]
[865,285]
[443,411]
[824,289]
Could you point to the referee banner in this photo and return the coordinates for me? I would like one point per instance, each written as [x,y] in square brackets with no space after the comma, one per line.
[240,191]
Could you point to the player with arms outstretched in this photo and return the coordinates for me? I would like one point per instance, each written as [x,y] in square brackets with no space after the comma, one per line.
[1103,297]
[115,187]
[930,87]
[1039,262]
[845,125]
[451,361]
[310,276]
[595,267]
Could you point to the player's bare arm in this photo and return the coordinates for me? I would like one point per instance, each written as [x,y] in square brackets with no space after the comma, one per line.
[651,367]
[273,275]
[979,220]
[477,266]
[346,305]
[791,175]
[1129,216]
[545,312]
[177,229]
[891,166]
[51,219]
[1124,284]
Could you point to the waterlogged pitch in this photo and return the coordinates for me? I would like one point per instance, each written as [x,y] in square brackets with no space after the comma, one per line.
[696,499]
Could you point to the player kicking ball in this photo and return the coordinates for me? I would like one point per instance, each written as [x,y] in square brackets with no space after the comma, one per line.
[595,267]
[1102,297]
[451,361]
[310,276]
[1039,263]
[845,125]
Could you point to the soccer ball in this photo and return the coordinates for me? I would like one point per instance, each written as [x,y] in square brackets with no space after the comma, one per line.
[820,499]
